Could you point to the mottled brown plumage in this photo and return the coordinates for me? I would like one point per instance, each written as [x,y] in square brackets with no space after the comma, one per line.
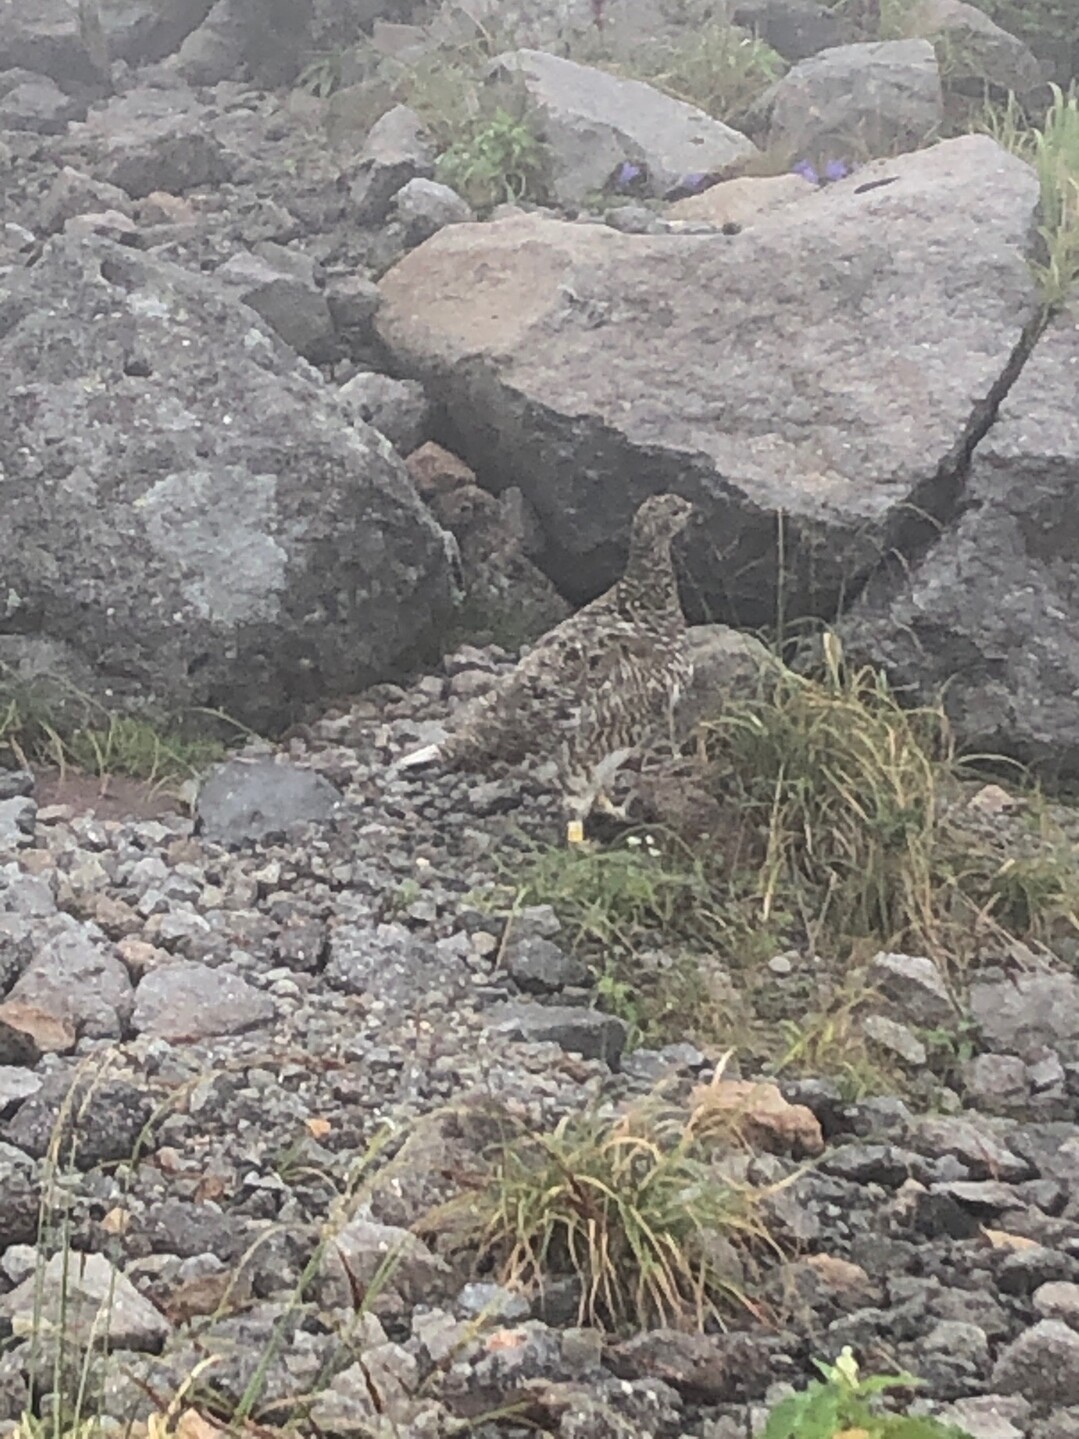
[597,687]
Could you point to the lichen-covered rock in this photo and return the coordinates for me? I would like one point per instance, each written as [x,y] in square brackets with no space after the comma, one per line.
[184,505]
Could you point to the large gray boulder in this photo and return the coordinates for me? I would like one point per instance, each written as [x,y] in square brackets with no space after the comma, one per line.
[857,100]
[992,609]
[796,28]
[158,139]
[592,121]
[266,40]
[51,36]
[978,51]
[184,506]
[812,383]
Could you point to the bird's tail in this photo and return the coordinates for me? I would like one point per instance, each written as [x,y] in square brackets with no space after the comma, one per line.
[429,754]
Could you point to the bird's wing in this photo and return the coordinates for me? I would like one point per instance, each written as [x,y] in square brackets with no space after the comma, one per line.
[631,690]
[546,692]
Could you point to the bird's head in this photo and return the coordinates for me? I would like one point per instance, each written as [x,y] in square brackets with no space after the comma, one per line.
[661,517]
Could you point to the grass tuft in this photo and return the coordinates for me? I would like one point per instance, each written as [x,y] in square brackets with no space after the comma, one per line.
[65,730]
[127,745]
[1053,150]
[830,1043]
[1056,159]
[620,896]
[482,127]
[847,826]
[633,1208]
[841,783]
[718,67]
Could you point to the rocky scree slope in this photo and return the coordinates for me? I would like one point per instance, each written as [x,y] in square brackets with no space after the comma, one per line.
[248,1003]
[247,1011]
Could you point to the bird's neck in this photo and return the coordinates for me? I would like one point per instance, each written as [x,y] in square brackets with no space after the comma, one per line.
[649,583]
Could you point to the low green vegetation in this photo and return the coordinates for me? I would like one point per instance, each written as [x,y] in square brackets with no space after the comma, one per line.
[486,135]
[324,75]
[1053,150]
[481,125]
[482,128]
[846,829]
[831,1043]
[42,729]
[634,1208]
[1056,159]
[497,158]
[645,910]
[716,66]
[840,786]
[844,1403]
[127,745]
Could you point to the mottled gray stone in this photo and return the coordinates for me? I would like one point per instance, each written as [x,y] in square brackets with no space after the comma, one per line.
[398,409]
[75,976]
[36,103]
[1025,1012]
[285,551]
[289,301]
[913,988]
[90,1297]
[1058,1299]
[425,206]
[990,613]
[877,98]
[592,121]
[397,149]
[1042,1365]
[184,1002]
[539,966]
[587,1032]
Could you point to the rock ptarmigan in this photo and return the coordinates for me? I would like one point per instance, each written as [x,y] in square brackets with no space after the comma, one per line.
[595,689]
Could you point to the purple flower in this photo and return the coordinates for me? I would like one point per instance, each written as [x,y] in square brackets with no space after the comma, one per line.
[836,170]
[807,172]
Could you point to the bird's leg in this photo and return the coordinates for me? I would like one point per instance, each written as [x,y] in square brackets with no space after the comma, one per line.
[578,808]
[605,805]
[672,719]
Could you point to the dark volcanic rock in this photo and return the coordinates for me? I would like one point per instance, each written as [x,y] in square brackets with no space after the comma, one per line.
[992,611]
[247,801]
[796,28]
[185,507]
[93,1121]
